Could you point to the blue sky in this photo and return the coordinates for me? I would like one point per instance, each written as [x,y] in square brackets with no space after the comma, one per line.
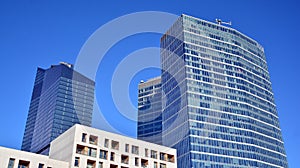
[40,33]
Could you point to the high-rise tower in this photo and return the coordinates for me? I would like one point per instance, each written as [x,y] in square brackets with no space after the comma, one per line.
[61,97]
[149,126]
[220,109]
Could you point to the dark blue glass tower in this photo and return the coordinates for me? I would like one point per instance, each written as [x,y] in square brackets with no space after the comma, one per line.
[61,97]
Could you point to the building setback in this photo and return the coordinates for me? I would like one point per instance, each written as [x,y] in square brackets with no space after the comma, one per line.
[149,126]
[220,109]
[61,97]
[83,146]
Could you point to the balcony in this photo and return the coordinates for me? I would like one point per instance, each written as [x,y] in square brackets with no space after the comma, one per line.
[23,164]
[167,157]
[84,150]
[91,164]
[144,163]
[124,159]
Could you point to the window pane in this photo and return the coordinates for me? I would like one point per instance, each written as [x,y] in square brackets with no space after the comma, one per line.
[11,163]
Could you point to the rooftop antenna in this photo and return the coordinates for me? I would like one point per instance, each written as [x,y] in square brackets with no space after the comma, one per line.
[219,21]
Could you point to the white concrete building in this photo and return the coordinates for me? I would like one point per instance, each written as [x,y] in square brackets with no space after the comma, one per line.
[86,147]
[11,158]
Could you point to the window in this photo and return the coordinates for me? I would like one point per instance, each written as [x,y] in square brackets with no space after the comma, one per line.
[112,156]
[136,161]
[76,163]
[153,154]
[23,164]
[162,165]
[126,147]
[100,165]
[41,165]
[91,164]
[163,156]
[103,154]
[155,165]
[84,150]
[93,140]
[92,152]
[81,150]
[171,158]
[146,153]
[144,162]
[106,142]
[115,145]
[11,163]
[135,150]
[83,138]
[124,159]
[113,166]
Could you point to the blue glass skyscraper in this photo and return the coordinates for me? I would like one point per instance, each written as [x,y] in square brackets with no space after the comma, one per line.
[149,126]
[61,97]
[220,109]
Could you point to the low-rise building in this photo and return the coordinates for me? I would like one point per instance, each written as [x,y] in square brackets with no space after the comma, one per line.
[87,147]
[11,158]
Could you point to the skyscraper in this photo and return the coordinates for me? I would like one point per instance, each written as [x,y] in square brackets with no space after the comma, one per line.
[149,126]
[220,109]
[61,97]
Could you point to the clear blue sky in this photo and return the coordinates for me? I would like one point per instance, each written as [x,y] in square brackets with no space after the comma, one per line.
[40,33]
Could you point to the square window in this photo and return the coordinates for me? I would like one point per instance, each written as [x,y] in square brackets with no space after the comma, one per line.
[92,152]
[115,145]
[23,164]
[91,164]
[153,154]
[163,165]
[135,150]
[144,163]
[81,150]
[124,159]
[93,140]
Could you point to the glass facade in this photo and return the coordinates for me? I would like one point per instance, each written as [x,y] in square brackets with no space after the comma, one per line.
[149,125]
[220,109]
[61,98]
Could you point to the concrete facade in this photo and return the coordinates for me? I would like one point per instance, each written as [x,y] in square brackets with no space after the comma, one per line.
[82,146]
[11,158]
